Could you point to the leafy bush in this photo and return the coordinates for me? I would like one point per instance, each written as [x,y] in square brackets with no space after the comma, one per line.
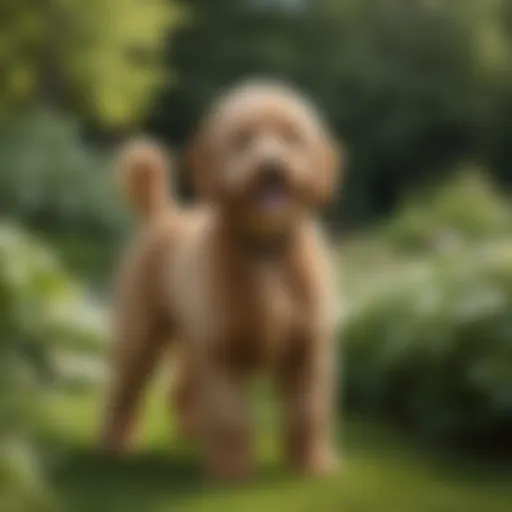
[44,317]
[428,339]
[77,53]
[50,177]
[53,182]
[466,210]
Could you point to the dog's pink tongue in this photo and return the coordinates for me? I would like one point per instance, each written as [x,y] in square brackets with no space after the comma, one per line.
[273,199]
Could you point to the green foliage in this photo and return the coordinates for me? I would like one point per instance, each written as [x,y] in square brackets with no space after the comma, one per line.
[44,317]
[49,176]
[22,487]
[54,182]
[104,58]
[428,329]
[465,210]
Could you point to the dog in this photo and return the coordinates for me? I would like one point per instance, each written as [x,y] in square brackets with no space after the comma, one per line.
[239,282]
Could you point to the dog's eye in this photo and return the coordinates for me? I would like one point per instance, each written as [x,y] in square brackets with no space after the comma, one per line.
[241,139]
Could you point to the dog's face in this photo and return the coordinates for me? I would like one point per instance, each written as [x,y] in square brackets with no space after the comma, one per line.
[265,155]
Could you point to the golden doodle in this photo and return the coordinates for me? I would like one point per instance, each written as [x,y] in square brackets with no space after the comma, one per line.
[238,283]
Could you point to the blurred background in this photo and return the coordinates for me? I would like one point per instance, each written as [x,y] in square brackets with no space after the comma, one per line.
[420,91]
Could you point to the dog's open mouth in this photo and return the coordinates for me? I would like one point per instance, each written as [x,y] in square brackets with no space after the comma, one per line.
[272,194]
[272,197]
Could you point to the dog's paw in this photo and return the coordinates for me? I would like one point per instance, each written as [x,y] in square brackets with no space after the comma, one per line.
[116,444]
[320,463]
[229,470]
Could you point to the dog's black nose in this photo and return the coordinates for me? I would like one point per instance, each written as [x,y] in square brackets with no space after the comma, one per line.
[272,172]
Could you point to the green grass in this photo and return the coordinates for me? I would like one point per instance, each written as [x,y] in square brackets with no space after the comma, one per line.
[382,472]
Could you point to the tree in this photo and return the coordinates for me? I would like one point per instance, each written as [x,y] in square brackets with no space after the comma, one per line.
[101,58]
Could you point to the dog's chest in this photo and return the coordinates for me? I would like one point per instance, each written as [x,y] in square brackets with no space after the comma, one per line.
[264,310]
[249,310]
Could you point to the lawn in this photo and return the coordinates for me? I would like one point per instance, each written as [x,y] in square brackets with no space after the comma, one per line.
[383,471]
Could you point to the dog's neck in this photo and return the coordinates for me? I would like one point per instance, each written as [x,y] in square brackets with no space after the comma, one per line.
[267,248]
[261,247]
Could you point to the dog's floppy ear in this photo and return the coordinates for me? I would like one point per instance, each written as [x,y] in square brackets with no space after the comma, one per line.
[330,163]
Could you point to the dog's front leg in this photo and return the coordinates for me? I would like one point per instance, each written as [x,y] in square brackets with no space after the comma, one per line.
[308,386]
[226,429]
[138,342]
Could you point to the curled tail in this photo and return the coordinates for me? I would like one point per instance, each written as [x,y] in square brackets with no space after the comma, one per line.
[143,168]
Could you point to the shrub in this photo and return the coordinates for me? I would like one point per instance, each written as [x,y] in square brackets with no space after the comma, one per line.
[43,317]
[466,209]
[428,339]
[50,178]
[59,186]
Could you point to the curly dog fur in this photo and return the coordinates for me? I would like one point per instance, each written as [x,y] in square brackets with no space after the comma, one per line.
[242,280]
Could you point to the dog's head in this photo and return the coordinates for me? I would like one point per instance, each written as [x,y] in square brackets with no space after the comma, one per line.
[265,155]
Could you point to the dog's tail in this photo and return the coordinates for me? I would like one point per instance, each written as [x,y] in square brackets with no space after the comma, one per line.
[143,168]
